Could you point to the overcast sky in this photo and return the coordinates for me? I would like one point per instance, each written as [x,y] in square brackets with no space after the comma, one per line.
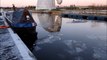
[65,2]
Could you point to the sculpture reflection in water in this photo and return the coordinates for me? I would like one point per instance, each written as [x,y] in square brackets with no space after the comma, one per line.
[52,24]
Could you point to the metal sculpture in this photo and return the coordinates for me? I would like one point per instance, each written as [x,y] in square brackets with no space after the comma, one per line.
[47,4]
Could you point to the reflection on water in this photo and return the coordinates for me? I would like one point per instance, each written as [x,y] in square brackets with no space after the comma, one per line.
[51,23]
[70,39]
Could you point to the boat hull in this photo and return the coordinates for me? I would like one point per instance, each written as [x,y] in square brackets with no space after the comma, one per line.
[28,35]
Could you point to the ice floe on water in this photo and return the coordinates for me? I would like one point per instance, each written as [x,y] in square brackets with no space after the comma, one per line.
[75,46]
[98,37]
[80,49]
[37,48]
[51,38]
[100,54]
[76,50]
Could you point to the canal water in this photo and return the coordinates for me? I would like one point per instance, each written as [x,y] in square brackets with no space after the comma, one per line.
[69,39]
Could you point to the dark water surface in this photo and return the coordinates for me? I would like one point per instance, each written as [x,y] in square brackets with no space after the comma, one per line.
[69,39]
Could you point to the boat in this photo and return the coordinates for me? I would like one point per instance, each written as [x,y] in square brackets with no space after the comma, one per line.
[22,23]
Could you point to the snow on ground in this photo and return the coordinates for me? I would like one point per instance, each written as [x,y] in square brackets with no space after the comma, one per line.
[8,50]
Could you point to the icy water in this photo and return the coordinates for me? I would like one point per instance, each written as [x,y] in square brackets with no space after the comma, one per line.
[69,39]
